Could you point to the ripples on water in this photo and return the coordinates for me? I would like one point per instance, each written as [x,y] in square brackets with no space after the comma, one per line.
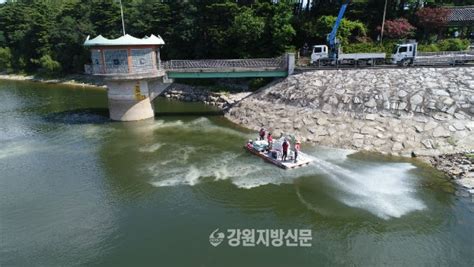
[385,190]
[77,189]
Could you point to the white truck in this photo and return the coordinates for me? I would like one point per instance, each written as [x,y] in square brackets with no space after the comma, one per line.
[407,54]
[320,56]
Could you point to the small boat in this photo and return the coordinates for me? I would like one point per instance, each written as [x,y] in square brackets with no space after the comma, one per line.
[273,156]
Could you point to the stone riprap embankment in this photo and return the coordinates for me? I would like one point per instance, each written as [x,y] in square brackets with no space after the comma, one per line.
[459,166]
[420,111]
[188,93]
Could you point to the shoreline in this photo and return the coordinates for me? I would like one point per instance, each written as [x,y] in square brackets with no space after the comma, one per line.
[444,162]
[69,80]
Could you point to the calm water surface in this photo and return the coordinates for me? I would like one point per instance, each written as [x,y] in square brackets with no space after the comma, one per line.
[77,189]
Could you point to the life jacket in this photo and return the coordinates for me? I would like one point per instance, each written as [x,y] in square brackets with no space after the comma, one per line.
[262,132]
[297,147]
[270,139]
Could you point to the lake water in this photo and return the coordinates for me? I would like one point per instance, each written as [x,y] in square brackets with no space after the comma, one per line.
[77,189]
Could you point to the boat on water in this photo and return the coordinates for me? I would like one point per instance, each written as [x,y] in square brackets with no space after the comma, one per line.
[274,154]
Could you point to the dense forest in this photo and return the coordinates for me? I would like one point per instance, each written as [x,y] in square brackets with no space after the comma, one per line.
[47,35]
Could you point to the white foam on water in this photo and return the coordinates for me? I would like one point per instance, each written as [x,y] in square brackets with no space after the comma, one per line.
[201,121]
[91,131]
[150,126]
[332,154]
[161,124]
[204,125]
[224,166]
[150,149]
[243,172]
[199,125]
[387,191]
[310,206]
[14,149]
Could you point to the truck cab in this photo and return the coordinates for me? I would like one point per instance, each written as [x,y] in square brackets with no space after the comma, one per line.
[319,52]
[404,54]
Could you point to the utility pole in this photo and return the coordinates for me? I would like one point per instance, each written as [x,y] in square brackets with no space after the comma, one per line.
[383,20]
[121,14]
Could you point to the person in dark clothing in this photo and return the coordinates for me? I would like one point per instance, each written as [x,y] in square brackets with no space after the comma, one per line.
[285,146]
[262,134]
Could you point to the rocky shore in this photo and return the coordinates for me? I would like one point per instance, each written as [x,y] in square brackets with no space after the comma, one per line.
[187,93]
[405,112]
[415,111]
[459,166]
[422,112]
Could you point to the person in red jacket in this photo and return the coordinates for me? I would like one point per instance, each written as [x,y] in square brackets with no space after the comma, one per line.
[250,144]
[270,141]
[270,138]
[285,147]
[297,148]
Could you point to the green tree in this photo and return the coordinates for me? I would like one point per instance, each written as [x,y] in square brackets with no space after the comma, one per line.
[105,16]
[213,29]
[246,30]
[68,36]
[147,17]
[349,31]
[5,59]
[282,30]
[48,66]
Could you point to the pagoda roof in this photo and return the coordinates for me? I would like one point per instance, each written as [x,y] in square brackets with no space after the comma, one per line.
[461,14]
[124,41]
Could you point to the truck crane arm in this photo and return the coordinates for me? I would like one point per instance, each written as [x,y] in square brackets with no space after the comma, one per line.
[331,38]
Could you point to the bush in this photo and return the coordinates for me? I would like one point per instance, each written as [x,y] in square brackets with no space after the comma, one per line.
[363,48]
[3,41]
[453,44]
[5,59]
[20,64]
[48,65]
[428,48]
[257,83]
[369,47]
[387,46]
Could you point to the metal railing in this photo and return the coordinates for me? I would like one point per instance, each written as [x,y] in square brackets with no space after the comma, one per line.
[226,64]
[446,53]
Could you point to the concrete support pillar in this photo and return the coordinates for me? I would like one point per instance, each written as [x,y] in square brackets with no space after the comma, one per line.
[131,100]
[290,58]
[129,110]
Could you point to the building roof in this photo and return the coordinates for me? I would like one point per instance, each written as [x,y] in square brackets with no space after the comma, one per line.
[124,40]
[461,14]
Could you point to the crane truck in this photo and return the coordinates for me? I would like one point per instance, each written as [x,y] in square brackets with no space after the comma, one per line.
[330,53]
[404,54]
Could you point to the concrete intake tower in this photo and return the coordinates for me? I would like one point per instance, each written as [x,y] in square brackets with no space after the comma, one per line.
[132,71]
